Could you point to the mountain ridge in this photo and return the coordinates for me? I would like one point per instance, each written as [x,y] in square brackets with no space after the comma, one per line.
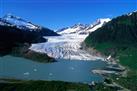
[11,20]
[84,28]
[121,29]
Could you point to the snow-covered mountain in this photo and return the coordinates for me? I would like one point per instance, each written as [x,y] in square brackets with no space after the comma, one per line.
[73,29]
[99,23]
[19,22]
[131,13]
[84,28]
[22,24]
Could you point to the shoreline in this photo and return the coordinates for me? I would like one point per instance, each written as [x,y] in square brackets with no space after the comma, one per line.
[113,68]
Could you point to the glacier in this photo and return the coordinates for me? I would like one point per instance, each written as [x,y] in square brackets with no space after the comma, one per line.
[67,46]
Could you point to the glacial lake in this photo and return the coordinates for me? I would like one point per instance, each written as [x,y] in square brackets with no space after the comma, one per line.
[63,70]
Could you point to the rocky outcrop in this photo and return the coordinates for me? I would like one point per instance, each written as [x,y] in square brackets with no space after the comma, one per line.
[24,51]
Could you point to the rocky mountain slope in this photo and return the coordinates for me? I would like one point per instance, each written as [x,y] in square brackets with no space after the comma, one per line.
[121,30]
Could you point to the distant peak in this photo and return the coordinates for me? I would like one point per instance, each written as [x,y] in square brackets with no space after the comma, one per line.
[78,24]
[103,19]
[135,11]
[131,13]
[80,28]
[9,15]
[12,16]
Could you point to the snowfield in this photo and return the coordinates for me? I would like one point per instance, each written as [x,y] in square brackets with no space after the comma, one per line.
[64,47]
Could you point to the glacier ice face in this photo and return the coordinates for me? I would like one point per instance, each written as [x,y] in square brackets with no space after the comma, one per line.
[64,47]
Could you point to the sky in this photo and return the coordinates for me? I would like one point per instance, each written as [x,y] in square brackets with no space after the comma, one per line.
[56,14]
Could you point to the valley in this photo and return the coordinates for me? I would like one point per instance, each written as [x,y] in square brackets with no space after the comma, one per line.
[35,54]
[69,44]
